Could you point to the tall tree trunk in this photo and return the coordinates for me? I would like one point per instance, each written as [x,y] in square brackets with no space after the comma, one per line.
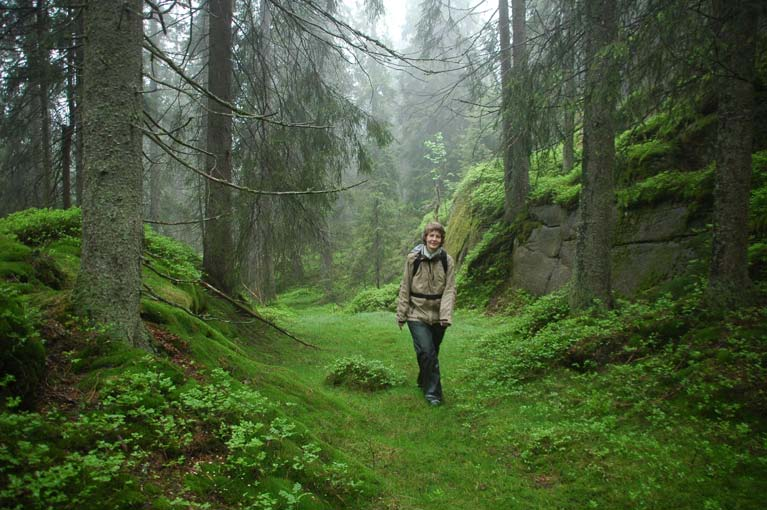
[218,243]
[108,288]
[326,262]
[67,132]
[597,200]
[42,59]
[504,33]
[515,110]
[521,106]
[66,163]
[736,22]
[568,145]
[79,46]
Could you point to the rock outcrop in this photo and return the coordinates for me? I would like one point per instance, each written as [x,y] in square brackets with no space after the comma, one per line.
[651,245]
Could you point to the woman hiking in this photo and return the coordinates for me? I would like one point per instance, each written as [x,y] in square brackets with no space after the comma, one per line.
[426,300]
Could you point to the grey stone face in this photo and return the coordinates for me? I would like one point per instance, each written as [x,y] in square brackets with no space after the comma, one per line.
[651,245]
[532,270]
[662,223]
[551,215]
[546,240]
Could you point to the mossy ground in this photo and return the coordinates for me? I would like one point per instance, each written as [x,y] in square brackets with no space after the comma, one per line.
[230,414]
[616,437]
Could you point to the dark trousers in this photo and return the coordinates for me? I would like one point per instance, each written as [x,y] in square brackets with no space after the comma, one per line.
[426,340]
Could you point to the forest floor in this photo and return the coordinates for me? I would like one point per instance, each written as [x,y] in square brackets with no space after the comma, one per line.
[563,441]
[428,458]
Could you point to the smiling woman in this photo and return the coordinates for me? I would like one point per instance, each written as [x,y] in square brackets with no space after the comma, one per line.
[426,300]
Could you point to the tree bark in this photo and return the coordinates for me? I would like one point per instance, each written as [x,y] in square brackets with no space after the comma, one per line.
[108,288]
[79,56]
[515,111]
[43,64]
[520,146]
[568,144]
[506,99]
[67,131]
[736,23]
[218,244]
[66,163]
[592,273]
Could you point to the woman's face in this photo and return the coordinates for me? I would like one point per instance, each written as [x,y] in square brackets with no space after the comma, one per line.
[433,240]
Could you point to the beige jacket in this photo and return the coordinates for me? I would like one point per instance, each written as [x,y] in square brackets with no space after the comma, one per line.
[429,280]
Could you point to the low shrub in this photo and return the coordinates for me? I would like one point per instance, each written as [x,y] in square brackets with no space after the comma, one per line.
[22,355]
[174,257]
[358,373]
[559,189]
[36,227]
[208,440]
[374,300]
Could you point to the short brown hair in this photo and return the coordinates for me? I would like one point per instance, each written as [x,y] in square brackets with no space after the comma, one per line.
[433,226]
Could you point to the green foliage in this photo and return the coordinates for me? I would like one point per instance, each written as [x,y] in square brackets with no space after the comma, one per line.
[22,355]
[483,184]
[486,267]
[144,418]
[36,227]
[301,297]
[560,189]
[373,300]
[172,257]
[757,208]
[757,260]
[359,373]
[544,335]
[649,405]
[14,261]
[690,187]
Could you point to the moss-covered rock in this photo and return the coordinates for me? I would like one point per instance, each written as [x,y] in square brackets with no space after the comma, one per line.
[22,355]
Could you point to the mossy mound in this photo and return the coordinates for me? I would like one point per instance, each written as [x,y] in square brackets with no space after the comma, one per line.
[22,355]
[374,300]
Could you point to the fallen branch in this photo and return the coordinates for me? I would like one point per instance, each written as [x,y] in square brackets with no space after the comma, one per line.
[222,295]
[253,314]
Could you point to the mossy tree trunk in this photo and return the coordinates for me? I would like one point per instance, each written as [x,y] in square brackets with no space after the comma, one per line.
[108,287]
[592,278]
[218,243]
[735,29]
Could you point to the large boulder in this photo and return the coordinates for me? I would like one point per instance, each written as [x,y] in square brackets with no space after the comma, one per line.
[652,244]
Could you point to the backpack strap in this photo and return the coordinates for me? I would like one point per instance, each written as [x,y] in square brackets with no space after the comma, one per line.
[416,263]
[420,258]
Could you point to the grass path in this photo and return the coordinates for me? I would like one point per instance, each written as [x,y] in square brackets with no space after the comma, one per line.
[428,458]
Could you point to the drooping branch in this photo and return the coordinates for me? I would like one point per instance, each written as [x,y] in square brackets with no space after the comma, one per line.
[169,150]
[157,52]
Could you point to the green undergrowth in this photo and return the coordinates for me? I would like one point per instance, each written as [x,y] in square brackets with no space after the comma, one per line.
[200,422]
[356,372]
[659,403]
[375,299]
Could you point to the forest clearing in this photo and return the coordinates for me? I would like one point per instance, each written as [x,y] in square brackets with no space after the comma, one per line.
[301,255]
